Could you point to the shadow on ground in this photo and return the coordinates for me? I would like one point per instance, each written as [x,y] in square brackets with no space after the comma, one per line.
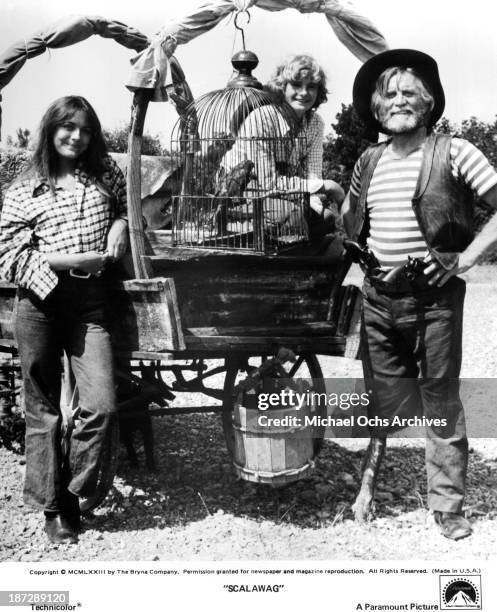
[195,478]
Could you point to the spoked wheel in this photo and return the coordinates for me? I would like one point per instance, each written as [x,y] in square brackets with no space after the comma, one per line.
[306,367]
[233,368]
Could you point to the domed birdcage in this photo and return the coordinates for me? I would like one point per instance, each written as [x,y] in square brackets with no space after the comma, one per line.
[241,156]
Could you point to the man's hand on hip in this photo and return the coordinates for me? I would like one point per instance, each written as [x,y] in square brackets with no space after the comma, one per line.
[438,275]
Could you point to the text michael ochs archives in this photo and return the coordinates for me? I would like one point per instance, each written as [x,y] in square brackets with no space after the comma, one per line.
[293,401]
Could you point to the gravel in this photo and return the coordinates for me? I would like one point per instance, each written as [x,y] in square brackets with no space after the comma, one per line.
[194,507]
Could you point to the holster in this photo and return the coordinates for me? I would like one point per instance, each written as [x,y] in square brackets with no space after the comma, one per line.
[401,279]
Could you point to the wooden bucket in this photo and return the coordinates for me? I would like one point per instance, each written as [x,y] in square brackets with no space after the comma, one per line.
[271,454]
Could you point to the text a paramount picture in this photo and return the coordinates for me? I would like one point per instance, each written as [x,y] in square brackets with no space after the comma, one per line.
[248,341]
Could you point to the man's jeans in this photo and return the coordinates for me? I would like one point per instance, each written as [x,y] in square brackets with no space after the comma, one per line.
[412,360]
[70,319]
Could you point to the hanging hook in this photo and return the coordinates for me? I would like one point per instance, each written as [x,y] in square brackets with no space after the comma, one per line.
[238,13]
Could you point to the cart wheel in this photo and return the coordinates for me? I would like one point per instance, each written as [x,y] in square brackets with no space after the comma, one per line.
[349,307]
[229,396]
[108,469]
[307,366]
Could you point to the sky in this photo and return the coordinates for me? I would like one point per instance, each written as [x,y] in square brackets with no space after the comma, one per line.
[459,35]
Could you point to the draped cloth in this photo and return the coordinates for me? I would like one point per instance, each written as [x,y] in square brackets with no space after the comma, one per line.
[152,68]
[63,33]
[356,32]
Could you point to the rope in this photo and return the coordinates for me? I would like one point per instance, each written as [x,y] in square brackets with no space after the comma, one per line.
[241,5]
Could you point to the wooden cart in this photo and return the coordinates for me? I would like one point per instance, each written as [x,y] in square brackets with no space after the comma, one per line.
[203,320]
[201,316]
[198,320]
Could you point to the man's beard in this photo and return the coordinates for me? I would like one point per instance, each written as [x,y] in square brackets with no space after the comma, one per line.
[403,123]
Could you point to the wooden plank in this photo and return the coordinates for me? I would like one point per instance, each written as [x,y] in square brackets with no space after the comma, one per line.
[263,300]
[218,350]
[160,330]
[278,449]
[140,284]
[174,316]
[140,103]
[145,355]
[239,417]
[244,283]
[314,329]
[189,141]
[145,316]
[165,256]
[7,300]
[325,345]
[220,341]
[235,290]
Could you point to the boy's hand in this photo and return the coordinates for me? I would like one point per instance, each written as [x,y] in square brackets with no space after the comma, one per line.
[333,189]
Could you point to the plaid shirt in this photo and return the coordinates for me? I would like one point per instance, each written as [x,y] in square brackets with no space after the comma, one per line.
[34,221]
[257,141]
[313,131]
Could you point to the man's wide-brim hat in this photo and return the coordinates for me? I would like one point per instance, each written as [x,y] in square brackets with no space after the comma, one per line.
[365,82]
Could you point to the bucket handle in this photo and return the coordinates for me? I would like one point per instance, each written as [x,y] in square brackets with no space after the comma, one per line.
[293,472]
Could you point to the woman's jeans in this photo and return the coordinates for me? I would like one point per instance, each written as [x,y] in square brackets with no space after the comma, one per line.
[412,347]
[70,319]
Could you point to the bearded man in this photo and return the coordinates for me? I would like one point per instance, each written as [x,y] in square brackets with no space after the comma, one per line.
[411,204]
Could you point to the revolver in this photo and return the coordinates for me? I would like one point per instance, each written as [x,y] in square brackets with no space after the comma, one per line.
[361,255]
[410,270]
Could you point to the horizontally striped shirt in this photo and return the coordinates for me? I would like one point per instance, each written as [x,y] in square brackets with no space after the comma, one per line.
[394,229]
[34,221]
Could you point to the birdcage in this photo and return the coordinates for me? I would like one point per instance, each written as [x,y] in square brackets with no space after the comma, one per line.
[243,169]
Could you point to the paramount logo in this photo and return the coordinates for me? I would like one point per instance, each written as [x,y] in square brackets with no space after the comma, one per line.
[460,592]
[460,600]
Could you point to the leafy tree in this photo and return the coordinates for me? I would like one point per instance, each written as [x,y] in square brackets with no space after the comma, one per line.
[483,136]
[12,162]
[22,141]
[444,126]
[117,141]
[343,148]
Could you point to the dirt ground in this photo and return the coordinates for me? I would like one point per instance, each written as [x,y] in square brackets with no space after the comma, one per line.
[195,508]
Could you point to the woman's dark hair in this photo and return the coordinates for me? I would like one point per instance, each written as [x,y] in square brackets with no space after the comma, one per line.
[45,157]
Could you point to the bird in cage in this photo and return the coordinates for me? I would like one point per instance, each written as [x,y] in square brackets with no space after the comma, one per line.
[269,138]
[230,192]
[215,151]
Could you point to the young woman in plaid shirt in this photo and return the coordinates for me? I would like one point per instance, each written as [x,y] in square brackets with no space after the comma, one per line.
[61,222]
